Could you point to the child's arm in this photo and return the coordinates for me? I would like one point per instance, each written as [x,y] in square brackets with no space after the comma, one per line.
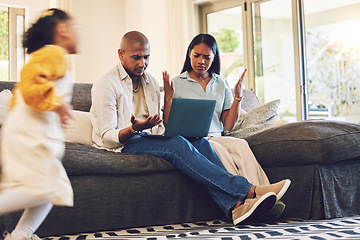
[38,90]
[64,111]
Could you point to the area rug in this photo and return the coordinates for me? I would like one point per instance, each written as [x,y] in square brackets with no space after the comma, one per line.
[339,228]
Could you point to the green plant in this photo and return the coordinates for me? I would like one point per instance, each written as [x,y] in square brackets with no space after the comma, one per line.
[4,35]
[4,45]
[227,40]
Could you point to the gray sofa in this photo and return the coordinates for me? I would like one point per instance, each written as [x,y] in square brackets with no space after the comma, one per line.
[115,190]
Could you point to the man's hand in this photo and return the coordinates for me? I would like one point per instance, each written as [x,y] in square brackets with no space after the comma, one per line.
[150,122]
[168,86]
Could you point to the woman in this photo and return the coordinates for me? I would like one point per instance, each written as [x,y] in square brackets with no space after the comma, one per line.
[200,78]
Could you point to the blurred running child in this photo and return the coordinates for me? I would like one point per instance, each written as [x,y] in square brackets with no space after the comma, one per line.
[32,140]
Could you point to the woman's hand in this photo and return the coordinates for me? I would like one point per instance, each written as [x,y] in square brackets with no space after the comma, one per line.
[150,122]
[168,86]
[238,89]
[230,117]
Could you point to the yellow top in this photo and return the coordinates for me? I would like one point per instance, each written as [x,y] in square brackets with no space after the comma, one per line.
[36,84]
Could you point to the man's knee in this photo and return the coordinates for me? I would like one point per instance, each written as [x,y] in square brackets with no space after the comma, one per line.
[179,142]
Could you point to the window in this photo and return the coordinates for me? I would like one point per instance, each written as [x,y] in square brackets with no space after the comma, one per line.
[333,59]
[273,45]
[226,27]
[4,43]
[305,53]
[12,54]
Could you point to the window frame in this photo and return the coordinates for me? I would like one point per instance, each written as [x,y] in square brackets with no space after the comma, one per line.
[215,6]
[14,12]
[301,84]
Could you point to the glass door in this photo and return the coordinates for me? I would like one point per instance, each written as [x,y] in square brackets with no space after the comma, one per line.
[12,54]
[16,50]
[227,28]
[333,59]
[4,43]
[305,53]
[273,44]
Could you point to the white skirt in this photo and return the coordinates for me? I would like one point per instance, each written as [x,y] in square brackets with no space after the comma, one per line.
[32,146]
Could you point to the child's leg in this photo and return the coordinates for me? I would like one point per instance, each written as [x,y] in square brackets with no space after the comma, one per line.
[16,199]
[31,220]
[35,212]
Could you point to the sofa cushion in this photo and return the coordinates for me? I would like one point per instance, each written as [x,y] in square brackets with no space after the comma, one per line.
[307,142]
[81,98]
[257,119]
[249,100]
[82,159]
[5,97]
[79,129]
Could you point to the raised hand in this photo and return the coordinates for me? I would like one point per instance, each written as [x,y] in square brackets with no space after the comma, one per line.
[150,122]
[168,86]
[238,89]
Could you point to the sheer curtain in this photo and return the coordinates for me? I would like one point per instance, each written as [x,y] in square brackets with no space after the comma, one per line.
[180,31]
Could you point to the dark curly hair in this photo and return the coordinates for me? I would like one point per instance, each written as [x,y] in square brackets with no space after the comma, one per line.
[42,32]
[212,44]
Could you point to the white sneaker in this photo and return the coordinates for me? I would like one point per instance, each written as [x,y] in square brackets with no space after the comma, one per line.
[7,236]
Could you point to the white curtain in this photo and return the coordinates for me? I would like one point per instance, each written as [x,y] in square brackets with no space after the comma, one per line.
[181,29]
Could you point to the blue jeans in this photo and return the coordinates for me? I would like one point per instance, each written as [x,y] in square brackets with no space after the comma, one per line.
[199,161]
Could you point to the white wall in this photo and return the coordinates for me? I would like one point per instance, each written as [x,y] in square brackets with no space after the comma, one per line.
[168,24]
[102,26]
[32,8]
[103,23]
[149,17]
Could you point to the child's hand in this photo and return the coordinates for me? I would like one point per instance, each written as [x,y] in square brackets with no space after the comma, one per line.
[64,112]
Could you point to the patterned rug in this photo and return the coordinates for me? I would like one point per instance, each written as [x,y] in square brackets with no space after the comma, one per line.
[339,228]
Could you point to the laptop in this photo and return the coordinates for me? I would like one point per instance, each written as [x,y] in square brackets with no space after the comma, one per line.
[190,118]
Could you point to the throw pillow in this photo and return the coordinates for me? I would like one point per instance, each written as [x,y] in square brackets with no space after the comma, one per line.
[5,97]
[79,129]
[257,119]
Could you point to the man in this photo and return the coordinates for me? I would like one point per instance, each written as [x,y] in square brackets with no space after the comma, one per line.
[117,97]
[126,100]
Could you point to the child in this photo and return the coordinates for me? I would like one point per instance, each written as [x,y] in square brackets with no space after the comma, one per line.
[32,141]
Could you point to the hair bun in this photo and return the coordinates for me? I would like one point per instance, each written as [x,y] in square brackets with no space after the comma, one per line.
[47,13]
